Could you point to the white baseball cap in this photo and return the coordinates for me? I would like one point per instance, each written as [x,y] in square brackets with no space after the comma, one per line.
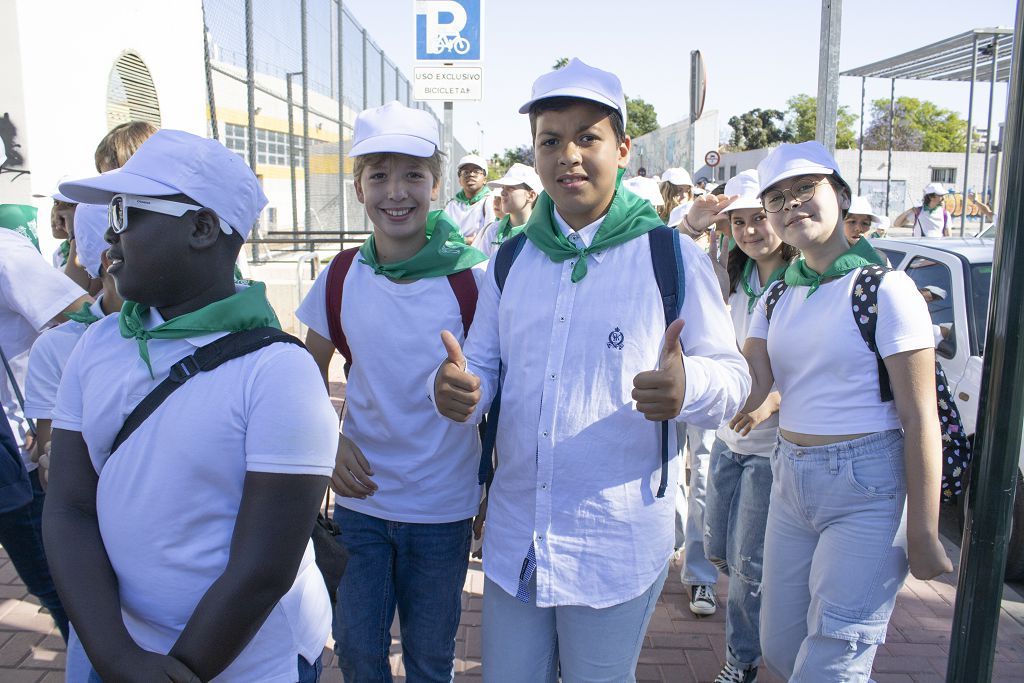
[747,186]
[173,162]
[935,188]
[55,193]
[518,174]
[582,81]
[645,188]
[472,160]
[677,176]
[675,217]
[791,160]
[396,128]
[91,224]
[862,207]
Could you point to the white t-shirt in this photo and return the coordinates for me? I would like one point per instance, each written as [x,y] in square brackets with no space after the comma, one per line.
[425,467]
[486,241]
[168,501]
[761,439]
[471,218]
[46,364]
[930,223]
[827,375]
[32,293]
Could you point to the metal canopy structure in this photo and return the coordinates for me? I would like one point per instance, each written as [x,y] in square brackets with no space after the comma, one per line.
[954,59]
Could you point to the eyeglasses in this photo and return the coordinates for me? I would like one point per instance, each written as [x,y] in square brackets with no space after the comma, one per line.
[471,172]
[117,211]
[802,191]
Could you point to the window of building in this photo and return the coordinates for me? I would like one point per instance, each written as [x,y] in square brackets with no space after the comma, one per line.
[732,171]
[271,145]
[943,175]
[131,95]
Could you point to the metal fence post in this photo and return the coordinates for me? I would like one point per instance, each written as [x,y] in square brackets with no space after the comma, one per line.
[860,140]
[307,205]
[988,129]
[366,83]
[828,73]
[342,203]
[210,101]
[250,95]
[970,130]
[892,127]
[291,152]
[988,520]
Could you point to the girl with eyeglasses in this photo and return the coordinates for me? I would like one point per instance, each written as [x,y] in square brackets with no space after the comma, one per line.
[856,480]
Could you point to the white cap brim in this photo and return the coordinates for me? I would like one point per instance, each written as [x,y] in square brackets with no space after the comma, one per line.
[394,144]
[741,203]
[810,169]
[572,91]
[100,189]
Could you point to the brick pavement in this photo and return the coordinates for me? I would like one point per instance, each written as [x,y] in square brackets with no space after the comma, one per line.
[679,647]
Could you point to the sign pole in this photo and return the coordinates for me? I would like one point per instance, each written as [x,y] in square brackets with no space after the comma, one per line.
[446,143]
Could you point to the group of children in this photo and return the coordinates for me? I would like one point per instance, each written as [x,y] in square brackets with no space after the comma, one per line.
[529,379]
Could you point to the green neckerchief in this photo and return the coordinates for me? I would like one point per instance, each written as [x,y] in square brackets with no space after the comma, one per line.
[462,199]
[857,256]
[442,255]
[628,217]
[752,296]
[65,251]
[506,230]
[245,310]
[84,315]
[21,219]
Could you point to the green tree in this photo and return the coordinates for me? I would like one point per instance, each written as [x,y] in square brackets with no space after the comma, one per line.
[641,118]
[559,63]
[500,163]
[802,112]
[758,128]
[920,126]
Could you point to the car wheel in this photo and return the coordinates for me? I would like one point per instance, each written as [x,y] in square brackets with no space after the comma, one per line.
[1015,549]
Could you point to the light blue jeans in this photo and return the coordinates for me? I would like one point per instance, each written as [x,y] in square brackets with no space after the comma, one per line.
[690,503]
[739,489]
[523,643]
[835,556]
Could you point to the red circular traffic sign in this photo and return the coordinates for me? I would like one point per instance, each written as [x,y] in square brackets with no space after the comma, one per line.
[712,158]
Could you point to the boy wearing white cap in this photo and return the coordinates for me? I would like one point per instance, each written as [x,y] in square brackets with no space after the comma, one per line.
[578,541]
[160,542]
[406,481]
[931,218]
[861,219]
[472,208]
[518,187]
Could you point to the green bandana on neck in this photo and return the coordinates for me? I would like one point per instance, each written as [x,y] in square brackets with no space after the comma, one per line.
[65,251]
[752,297]
[84,315]
[628,217]
[245,310]
[442,255]
[462,199]
[857,256]
[21,219]
[506,231]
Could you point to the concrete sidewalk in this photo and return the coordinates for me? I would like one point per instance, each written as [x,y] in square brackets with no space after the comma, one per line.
[679,647]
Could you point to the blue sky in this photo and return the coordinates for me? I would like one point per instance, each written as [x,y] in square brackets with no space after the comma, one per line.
[758,54]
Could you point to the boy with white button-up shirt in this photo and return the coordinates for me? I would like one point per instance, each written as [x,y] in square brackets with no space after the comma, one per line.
[577,541]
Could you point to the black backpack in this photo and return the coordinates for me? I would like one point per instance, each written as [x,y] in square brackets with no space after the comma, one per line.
[956,447]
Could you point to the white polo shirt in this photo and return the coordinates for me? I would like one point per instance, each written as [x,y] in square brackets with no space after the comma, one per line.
[425,468]
[578,465]
[471,218]
[168,500]
[46,364]
[32,293]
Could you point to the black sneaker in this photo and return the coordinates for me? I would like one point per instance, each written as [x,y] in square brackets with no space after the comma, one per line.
[702,600]
[734,674]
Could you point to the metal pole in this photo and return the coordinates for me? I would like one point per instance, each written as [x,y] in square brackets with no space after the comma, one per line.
[988,518]
[988,128]
[828,73]
[970,132]
[860,141]
[250,96]
[892,127]
[291,153]
[342,202]
[383,89]
[209,79]
[307,205]
[398,84]
[366,84]
[447,142]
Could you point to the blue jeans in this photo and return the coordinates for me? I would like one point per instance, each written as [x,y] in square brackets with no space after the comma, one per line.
[21,535]
[835,556]
[308,673]
[739,489]
[690,503]
[523,643]
[420,569]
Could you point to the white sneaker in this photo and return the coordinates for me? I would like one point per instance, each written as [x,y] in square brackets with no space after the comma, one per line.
[702,600]
[732,674]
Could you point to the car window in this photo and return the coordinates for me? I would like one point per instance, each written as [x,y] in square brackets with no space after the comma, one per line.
[895,256]
[981,284]
[935,284]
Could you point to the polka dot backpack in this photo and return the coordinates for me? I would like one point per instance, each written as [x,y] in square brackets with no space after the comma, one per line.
[956,448]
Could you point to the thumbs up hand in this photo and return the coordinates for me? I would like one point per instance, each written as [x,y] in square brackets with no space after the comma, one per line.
[456,392]
[659,393]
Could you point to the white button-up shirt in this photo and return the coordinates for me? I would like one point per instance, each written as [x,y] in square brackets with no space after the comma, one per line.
[578,465]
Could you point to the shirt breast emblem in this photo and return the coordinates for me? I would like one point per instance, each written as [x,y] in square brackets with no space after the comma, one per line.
[616,339]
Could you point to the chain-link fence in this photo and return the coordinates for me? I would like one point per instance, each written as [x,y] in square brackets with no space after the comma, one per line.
[292,75]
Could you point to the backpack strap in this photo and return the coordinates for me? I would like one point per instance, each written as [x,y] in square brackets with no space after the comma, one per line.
[772,297]
[505,257]
[864,303]
[336,273]
[463,284]
[204,359]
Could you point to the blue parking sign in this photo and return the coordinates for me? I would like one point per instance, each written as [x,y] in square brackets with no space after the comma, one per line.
[449,30]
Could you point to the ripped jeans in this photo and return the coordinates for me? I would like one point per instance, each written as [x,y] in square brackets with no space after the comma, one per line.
[739,487]
[835,556]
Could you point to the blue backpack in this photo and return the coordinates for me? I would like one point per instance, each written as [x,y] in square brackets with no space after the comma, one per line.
[667,260]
